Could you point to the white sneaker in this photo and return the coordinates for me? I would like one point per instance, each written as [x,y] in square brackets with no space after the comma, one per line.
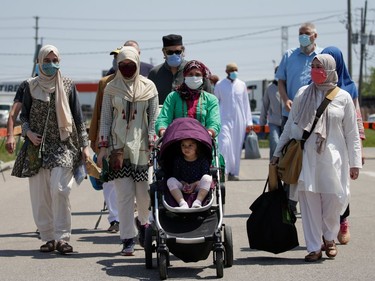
[183,205]
[197,204]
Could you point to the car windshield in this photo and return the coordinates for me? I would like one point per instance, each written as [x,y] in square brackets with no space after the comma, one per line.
[4,107]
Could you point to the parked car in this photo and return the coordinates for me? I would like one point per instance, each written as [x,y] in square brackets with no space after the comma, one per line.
[371,118]
[4,113]
[5,108]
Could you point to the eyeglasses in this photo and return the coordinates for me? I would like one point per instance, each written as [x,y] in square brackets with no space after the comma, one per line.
[171,52]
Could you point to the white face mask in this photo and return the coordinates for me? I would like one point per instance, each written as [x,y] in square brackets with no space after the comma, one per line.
[194,82]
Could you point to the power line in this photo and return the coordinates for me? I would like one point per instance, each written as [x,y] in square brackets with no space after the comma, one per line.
[197,42]
[111,29]
[205,19]
[13,18]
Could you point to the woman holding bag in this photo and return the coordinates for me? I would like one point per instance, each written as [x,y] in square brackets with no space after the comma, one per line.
[127,130]
[331,156]
[57,145]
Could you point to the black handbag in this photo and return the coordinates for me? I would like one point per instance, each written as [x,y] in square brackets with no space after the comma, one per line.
[19,163]
[270,226]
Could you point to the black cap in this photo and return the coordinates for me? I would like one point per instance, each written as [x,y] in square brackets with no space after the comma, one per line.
[172,40]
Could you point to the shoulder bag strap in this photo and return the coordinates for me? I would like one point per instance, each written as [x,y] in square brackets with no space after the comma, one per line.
[329,97]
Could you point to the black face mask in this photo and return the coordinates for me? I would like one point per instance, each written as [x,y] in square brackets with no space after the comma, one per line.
[127,70]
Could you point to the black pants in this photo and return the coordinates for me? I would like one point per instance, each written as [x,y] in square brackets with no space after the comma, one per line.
[345,214]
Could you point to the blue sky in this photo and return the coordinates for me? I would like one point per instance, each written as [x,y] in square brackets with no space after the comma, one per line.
[247,32]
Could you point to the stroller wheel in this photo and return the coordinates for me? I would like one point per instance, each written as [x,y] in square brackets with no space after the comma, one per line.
[219,262]
[148,247]
[162,261]
[228,246]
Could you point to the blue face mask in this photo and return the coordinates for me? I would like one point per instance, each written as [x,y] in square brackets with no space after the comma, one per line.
[174,60]
[304,40]
[233,75]
[50,69]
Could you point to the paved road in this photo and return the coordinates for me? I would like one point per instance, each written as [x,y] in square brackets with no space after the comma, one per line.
[97,256]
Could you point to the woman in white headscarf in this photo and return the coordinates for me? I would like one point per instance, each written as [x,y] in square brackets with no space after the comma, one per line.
[331,156]
[54,129]
[127,129]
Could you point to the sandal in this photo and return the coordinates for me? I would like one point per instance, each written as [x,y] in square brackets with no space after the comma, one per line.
[313,256]
[330,248]
[63,247]
[50,246]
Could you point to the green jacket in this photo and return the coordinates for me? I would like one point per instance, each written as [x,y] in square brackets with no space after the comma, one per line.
[207,112]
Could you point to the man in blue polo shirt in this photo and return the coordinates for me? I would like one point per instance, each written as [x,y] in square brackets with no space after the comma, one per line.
[295,66]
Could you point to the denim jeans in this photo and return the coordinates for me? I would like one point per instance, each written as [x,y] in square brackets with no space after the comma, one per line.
[274,135]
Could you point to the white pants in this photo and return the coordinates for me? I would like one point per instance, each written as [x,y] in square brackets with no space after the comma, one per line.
[49,194]
[204,183]
[127,190]
[110,198]
[320,217]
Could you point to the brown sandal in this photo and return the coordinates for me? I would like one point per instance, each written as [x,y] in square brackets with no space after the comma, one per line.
[330,248]
[63,247]
[50,246]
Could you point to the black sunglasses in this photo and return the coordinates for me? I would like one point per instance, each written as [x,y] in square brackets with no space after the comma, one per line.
[171,52]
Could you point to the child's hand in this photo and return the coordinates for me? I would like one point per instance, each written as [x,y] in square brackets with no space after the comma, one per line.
[194,185]
[188,189]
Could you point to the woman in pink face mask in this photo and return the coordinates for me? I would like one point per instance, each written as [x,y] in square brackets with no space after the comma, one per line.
[331,156]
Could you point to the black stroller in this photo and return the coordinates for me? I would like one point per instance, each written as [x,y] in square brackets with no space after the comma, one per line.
[189,234]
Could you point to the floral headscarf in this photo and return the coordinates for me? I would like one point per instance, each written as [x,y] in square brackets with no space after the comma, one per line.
[185,92]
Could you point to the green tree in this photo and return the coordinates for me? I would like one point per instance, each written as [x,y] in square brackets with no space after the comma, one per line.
[368,86]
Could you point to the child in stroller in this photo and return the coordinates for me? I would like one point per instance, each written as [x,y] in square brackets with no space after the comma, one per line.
[186,160]
[191,174]
[190,234]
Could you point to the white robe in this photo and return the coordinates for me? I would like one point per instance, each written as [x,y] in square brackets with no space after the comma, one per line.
[327,172]
[235,115]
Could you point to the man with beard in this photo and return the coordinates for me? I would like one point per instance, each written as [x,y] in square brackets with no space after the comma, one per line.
[168,75]
[295,66]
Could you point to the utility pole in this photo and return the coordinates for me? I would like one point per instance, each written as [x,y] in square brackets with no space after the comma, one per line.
[37,46]
[364,39]
[284,40]
[349,27]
